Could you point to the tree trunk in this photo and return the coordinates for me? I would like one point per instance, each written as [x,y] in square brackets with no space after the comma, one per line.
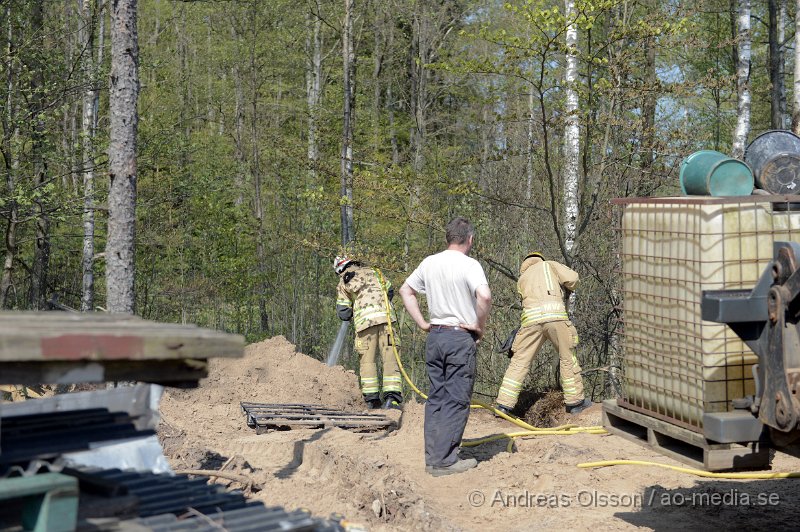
[238,152]
[392,128]
[69,126]
[419,85]
[390,107]
[41,250]
[733,12]
[123,95]
[86,37]
[775,68]
[571,133]
[377,68]
[796,92]
[742,81]
[418,59]
[531,140]
[313,87]
[102,13]
[782,64]
[349,66]
[649,105]
[255,170]
[10,131]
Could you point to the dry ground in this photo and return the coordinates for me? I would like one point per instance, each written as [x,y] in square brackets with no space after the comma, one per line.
[378,480]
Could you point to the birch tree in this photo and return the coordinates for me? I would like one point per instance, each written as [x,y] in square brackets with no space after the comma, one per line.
[123,96]
[571,132]
[86,38]
[742,80]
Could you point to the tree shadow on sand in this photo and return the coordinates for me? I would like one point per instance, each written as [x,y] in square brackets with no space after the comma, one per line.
[714,504]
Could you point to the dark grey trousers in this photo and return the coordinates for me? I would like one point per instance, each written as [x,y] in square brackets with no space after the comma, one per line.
[450,358]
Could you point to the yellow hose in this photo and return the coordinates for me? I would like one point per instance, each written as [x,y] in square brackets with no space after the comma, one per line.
[689,470]
[530,430]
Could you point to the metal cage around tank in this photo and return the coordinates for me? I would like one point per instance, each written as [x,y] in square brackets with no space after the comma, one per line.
[675,365]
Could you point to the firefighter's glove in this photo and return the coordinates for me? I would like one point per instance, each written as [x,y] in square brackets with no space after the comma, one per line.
[505,347]
[344,313]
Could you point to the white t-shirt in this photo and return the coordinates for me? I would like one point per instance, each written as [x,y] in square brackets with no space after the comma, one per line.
[449,280]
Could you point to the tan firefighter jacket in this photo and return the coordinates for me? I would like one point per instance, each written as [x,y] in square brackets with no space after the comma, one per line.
[363,295]
[541,285]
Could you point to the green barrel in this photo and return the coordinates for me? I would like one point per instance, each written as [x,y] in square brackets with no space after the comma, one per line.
[711,173]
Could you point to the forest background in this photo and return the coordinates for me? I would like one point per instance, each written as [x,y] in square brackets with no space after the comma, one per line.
[273,135]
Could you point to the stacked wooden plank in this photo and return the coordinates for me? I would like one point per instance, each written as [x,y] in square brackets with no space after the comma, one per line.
[65,348]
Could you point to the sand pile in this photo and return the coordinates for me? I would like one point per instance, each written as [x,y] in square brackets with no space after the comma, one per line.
[272,371]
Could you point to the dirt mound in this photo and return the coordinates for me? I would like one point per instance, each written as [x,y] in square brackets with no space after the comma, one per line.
[273,371]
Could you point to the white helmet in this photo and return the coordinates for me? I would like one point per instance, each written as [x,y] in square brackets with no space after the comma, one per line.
[340,263]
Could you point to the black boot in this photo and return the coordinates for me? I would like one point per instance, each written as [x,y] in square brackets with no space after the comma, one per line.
[393,400]
[579,407]
[504,409]
[373,401]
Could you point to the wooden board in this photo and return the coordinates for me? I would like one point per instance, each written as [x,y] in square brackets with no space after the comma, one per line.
[63,336]
[682,444]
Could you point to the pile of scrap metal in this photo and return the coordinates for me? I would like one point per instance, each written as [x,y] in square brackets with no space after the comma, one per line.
[91,460]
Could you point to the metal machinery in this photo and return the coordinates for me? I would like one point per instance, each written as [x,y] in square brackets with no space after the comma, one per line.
[767,319]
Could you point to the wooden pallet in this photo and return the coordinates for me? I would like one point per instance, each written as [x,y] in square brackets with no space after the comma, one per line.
[682,444]
[265,417]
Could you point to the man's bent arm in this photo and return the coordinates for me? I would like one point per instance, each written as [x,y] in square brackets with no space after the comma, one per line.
[483,305]
[409,296]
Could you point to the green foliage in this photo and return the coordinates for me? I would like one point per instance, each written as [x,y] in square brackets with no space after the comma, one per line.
[459,111]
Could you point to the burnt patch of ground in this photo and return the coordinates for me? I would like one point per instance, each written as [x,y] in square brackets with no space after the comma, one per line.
[541,409]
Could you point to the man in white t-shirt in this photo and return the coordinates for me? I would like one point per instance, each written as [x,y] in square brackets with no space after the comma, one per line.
[459,301]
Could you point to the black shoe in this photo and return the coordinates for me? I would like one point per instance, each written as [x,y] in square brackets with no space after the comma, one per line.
[578,408]
[393,403]
[504,409]
[374,404]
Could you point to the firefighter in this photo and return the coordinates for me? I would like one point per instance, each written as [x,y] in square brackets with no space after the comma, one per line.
[543,285]
[360,298]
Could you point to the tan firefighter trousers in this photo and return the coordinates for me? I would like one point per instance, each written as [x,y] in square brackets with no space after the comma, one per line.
[368,342]
[527,344]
